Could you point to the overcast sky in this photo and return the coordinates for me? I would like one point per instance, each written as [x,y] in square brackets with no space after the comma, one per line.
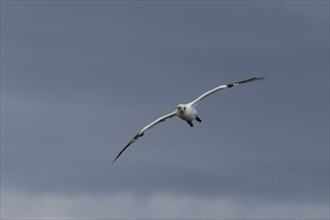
[80,78]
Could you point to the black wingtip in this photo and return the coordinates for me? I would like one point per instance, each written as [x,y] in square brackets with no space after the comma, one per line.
[114,160]
[260,77]
[250,80]
[245,81]
[131,142]
[120,153]
[117,157]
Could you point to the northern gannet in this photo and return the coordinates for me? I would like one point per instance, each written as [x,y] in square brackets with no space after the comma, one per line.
[186,112]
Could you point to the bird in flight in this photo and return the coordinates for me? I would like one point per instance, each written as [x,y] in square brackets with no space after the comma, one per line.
[186,112]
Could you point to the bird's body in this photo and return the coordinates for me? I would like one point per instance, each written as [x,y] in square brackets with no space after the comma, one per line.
[186,112]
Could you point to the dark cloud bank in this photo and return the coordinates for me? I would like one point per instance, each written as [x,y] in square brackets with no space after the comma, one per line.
[79,79]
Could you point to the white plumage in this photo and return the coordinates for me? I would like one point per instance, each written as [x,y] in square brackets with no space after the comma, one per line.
[186,112]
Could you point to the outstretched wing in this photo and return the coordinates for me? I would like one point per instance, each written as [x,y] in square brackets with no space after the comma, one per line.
[141,133]
[206,94]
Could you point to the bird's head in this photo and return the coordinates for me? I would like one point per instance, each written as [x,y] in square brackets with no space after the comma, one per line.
[181,108]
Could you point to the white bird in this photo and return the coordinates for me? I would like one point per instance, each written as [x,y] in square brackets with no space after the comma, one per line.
[186,112]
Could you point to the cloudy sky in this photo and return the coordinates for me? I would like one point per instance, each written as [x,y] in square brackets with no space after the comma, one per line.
[80,78]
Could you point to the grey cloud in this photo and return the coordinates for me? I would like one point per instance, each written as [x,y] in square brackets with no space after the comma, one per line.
[78,81]
[157,205]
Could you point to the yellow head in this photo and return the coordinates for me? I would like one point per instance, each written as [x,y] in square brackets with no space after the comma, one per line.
[181,108]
